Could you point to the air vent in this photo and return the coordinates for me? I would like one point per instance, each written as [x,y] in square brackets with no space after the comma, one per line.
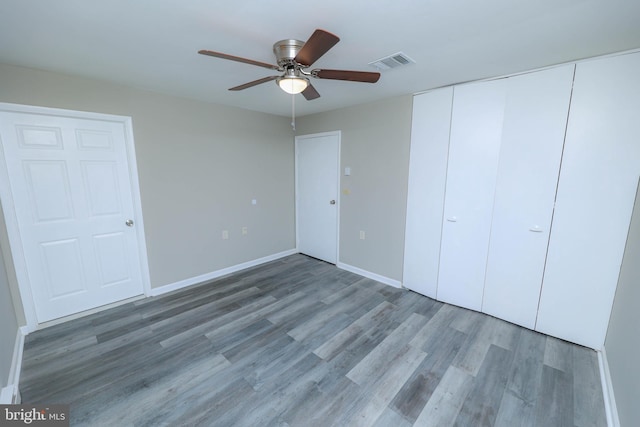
[392,61]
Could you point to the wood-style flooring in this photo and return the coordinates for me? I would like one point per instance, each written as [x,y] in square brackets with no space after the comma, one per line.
[298,342]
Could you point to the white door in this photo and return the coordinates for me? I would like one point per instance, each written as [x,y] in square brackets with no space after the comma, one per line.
[476,130]
[425,200]
[532,140]
[71,192]
[317,164]
[596,193]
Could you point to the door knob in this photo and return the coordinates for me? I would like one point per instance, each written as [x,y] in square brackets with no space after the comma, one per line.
[332,202]
[129,223]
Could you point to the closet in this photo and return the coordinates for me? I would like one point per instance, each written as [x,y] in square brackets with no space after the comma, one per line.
[520,193]
[474,146]
[596,193]
[425,200]
[531,145]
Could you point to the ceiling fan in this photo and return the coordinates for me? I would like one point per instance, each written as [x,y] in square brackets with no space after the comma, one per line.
[294,57]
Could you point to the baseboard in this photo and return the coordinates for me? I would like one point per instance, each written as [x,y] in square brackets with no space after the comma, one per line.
[6,395]
[11,393]
[370,275]
[607,390]
[218,273]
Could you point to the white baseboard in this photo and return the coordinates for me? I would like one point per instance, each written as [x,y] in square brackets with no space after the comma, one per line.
[370,275]
[6,395]
[11,394]
[607,390]
[218,273]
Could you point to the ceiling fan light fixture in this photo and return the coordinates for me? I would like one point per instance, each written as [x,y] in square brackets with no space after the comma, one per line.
[292,84]
[294,57]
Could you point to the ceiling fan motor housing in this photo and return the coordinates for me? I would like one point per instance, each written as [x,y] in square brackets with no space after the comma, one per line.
[286,50]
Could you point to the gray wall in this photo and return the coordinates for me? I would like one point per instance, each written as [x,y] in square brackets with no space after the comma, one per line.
[199,167]
[10,272]
[8,325]
[622,344]
[375,145]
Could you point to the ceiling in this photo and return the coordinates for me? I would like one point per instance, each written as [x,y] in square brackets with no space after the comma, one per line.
[153,44]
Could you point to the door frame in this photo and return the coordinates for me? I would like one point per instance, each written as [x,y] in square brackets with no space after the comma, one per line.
[338,135]
[11,219]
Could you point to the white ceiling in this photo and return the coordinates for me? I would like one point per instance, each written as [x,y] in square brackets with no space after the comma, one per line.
[153,44]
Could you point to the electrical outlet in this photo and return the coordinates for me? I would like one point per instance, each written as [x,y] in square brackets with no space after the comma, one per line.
[245,231]
[225,234]
[362,236]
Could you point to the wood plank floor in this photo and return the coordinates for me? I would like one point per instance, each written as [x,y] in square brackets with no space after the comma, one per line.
[298,342]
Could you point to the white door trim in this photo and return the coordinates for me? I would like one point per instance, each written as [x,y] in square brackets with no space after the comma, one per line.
[338,134]
[11,220]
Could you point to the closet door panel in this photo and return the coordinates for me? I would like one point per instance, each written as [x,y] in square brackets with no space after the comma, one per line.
[425,200]
[476,129]
[596,191]
[532,139]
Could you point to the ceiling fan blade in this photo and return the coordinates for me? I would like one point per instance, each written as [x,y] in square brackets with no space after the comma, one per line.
[352,76]
[237,59]
[310,93]
[254,83]
[318,44]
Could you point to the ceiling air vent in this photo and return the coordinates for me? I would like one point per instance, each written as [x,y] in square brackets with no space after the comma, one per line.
[392,61]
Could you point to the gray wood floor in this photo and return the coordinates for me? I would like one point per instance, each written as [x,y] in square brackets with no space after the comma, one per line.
[299,342]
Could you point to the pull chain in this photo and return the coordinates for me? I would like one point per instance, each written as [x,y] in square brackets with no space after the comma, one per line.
[293,112]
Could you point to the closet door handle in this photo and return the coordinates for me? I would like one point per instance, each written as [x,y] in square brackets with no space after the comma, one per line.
[452,219]
[536,229]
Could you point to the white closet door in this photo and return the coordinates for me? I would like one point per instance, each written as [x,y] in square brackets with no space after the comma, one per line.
[596,191]
[476,128]
[317,189]
[532,138]
[425,200]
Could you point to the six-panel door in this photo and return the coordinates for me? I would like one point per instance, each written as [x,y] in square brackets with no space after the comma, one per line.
[71,190]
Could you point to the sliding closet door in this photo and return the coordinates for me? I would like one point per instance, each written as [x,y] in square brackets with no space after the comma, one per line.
[476,128]
[532,139]
[425,199]
[596,192]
